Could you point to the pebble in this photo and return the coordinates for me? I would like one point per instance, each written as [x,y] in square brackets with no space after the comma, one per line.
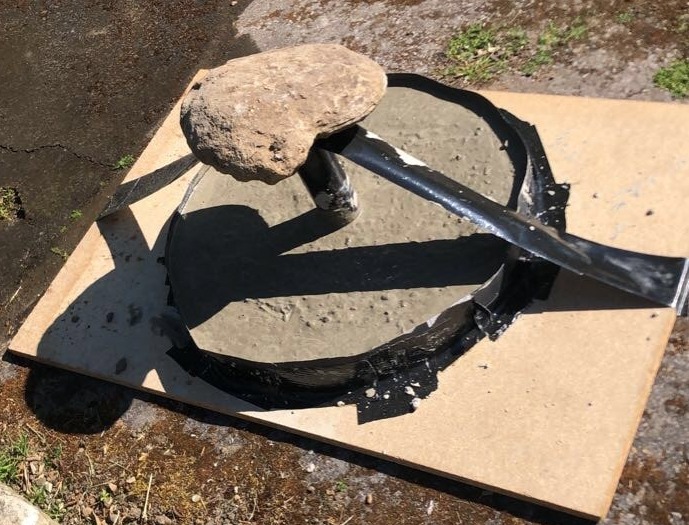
[195,498]
[409,391]
[371,392]
[113,516]
[162,519]
[130,480]
[340,403]
[310,489]
[415,403]
[310,468]
[86,512]
[112,487]
[369,499]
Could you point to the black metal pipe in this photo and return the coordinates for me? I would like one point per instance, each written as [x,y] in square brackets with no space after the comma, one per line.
[664,280]
[329,186]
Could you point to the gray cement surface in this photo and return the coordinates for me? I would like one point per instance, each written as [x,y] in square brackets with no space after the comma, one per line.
[399,265]
[84,84]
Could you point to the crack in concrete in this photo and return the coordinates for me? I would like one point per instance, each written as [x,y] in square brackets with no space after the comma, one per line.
[56,145]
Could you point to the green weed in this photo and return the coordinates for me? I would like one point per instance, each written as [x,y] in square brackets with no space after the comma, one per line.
[9,203]
[53,456]
[625,17]
[674,78]
[550,40]
[104,496]
[480,53]
[341,486]
[10,458]
[59,251]
[124,162]
[38,496]
[75,214]
[54,508]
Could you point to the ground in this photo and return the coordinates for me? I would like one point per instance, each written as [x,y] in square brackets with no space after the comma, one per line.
[84,86]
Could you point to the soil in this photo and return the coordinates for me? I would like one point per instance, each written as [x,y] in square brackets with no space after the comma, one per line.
[85,83]
[400,264]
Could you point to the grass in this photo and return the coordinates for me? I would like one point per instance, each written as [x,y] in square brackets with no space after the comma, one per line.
[46,501]
[124,162]
[9,205]
[59,251]
[674,78]
[10,458]
[53,456]
[625,17]
[480,53]
[550,40]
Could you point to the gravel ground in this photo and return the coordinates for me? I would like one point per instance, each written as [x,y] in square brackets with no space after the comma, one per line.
[86,84]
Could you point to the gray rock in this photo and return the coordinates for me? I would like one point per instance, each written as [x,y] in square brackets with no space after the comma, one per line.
[15,510]
[256,117]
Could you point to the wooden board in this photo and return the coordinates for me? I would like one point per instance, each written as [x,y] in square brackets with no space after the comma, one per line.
[547,413]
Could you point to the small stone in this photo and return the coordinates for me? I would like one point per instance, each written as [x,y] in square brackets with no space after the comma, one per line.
[369,499]
[86,512]
[409,391]
[162,519]
[274,105]
[112,487]
[340,403]
[370,392]
[195,498]
[415,403]
[310,489]
[130,480]
[310,468]
[48,486]
[113,515]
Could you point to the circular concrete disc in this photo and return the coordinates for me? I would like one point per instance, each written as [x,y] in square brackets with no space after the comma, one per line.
[257,276]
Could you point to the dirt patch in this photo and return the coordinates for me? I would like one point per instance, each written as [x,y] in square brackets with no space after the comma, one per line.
[258,475]
[660,500]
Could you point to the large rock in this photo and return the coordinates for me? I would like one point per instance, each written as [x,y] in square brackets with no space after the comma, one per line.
[15,510]
[256,117]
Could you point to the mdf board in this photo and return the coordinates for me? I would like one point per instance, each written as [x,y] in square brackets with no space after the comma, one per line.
[546,413]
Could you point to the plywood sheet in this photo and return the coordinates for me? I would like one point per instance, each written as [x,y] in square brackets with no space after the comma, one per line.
[547,413]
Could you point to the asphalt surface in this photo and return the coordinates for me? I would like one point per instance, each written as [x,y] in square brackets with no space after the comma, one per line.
[83,85]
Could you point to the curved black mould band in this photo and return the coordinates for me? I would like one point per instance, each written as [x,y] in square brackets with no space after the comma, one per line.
[413,358]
